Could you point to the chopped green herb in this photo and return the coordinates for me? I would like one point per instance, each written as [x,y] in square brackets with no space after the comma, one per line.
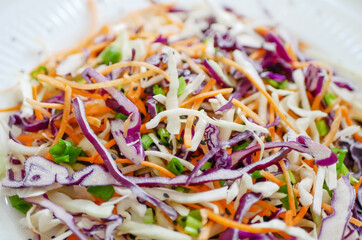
[322,128]
[64,152]
[182,189]
[110,55]
[268,138]
[329,98]
[181,86]
[278,85]
[146,141]
[159,108]
[207,165]
[157,90]
[148,218]
[39,70]
[256,174]
[175,167]
[222,183]
[340,166]
[120,116]
[104,192]
[241,146]
[284,84]
[19,204]
[164,135]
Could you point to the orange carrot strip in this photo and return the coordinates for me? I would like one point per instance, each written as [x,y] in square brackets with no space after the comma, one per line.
[232,224]
[39,108]
[248,111]
[257,54]
[73,237]
[44,105]
[15,108]
[349,123]
[300,215]
[327,207]
[272,178]
[66,112]
[30,137]
[37,112]
[149,164]
[144,130]
[288,217]
[290,188]
[358,184]
[266,205]
[251,79]
[206,95]
[205,231]
[334,128]
[355,221]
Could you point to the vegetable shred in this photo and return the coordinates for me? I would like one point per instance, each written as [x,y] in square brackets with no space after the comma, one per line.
[186,124]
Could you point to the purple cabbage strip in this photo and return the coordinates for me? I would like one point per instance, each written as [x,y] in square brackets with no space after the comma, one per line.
[40,172]
[56,99]
[157,59]
[274,63]
[216,147]
[246,201]
[151,107]
[323,155]
[21,123]
[12,137]
[342,203]
[161,39]
[276,77]
[111,164]
[241,89]
[129,144]
[314,79]
[58,212]
[226,42]
[341,83]
[214,74]
[280,50]
[116,221]
[52,119]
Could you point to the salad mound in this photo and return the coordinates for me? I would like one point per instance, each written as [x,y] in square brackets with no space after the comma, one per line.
[186,124]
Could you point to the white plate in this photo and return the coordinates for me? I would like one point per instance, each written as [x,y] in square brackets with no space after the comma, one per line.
[31,30]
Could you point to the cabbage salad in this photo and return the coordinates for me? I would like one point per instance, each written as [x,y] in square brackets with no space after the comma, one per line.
[186,124]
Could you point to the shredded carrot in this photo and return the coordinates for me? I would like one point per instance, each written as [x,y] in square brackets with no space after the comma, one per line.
[10,109]
[66,112]
[257,54]
[272,178]
[330,108]
[290,188]
[37,112]
[355,221]
[267,205]
[39,108]
[149,164]
[248,111]
[334,128]
[206,95]
[232,224]
[290,52]
[358,184]
[144,130]
[251,79]
[349,122]
[327,207]
[288,217]
[205,231]
[300,215]
[44,105]
[73,237]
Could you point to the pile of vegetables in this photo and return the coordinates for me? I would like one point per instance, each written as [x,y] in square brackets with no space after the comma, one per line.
[186,124]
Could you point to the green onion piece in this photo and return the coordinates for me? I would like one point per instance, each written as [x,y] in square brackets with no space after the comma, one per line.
[268,138]
[207,165]
[146,141]
[64,152]
[82,80]
[182,189]
[241,146]
[175,167]
[159,108]
[325,187]
[329,98]
[341,167]
[272,82]
[119,87]
[285,201]
[148,218]
[196,214]
[193,226]
[284,84]
[292,178]
[222,183]
[181,86]
[120,116]
[256,174]
[322,128]
[111,55]
[40,69]
[182,221]
[158,90]
[104,192]
[20,204]
[164,135]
